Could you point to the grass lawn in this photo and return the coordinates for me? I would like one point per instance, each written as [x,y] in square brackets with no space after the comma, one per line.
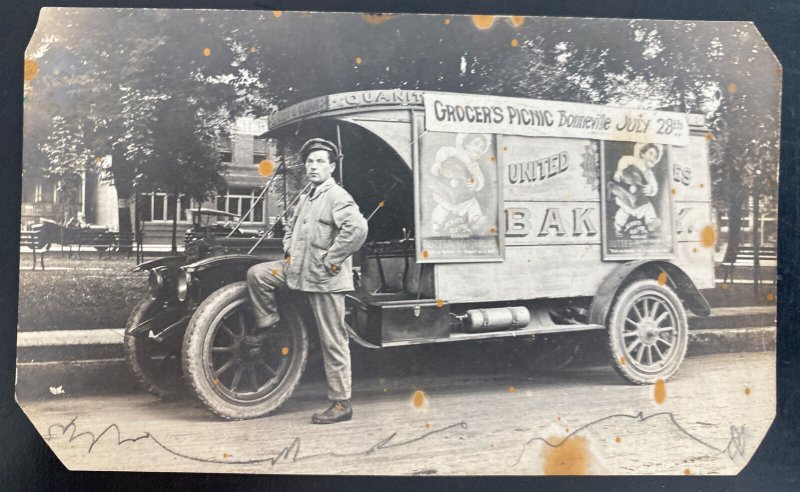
[78,293]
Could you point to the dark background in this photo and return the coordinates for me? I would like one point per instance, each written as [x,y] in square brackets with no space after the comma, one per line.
[26,463]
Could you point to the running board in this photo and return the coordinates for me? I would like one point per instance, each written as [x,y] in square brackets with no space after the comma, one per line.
[535,330]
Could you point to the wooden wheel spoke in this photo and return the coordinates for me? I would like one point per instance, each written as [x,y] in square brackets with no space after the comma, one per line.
[630,348]
[253,379]
[222,349]
[236,379]
[636,310]
[660,354]
[650,355]
[225,367]
[664,342]
[269,368]
[629,334]
[662,329]
[661,317]
[228,330]
[242,322]
[639,354]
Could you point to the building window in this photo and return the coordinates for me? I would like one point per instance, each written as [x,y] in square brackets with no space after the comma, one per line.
[259,150]
[226,149]
[157,207]
[44,192]
[239,200]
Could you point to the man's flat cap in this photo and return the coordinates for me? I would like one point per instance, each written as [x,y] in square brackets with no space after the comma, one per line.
[318,144]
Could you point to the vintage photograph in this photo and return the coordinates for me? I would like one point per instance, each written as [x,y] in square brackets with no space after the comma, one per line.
[275,242]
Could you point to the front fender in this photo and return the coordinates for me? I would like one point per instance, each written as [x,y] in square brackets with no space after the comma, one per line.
[225,260]
[679,280]
[168,261]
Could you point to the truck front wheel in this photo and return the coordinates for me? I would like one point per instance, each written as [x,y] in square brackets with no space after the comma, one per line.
[236,370]
[155,365]
[648,332]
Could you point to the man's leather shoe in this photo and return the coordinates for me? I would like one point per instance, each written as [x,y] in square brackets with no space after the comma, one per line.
[339,411]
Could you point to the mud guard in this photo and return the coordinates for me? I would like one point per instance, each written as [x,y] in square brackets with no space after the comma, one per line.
[676,278]
[217,261]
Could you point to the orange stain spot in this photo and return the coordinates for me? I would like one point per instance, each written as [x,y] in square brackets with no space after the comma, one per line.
[709,136]
[225,455]
[747,391]
[30,70]
[252,50]
[334,267]
[265,168]
[686,471]
[702,185]
[376,18]
[285,350]
[724,286]
[381,204]
[97,160]
[471,180]
[694,250]
[662,278]
[358,60]
[483,21]
[505,148]
[447,22]
[708,236]
[493,230]
[216,381]
[558,418]
[659,391]
[425,253]
[274,273]
[277,13]
[673,190]
[517,20]
[622,361]
[514,43]
[566,430]
[427,425]
[439,303]
[617,439]
[418,399]
[570,458]
[732,88]
[512,389]
[385,390]
[770,297]
[207,52]
[492,158]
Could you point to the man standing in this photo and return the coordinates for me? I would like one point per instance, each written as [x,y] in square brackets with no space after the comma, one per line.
[327,228]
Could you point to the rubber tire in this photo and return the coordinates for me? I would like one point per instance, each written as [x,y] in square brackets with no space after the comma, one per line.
[194,369]
[163,385]
[615,319]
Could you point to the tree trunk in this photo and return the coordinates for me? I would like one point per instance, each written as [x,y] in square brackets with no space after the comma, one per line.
[123,181]
[173,203]
[735,206]
[756,242]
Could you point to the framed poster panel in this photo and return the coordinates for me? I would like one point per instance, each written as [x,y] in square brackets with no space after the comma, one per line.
[637,201]
[459,215]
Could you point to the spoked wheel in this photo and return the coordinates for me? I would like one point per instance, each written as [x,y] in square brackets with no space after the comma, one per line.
[236,370]
[155,365]
[648,332]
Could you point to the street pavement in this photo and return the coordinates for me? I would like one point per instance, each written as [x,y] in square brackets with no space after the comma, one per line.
[472,419]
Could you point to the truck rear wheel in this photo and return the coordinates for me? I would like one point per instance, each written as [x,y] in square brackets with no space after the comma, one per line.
[648,332]
[237,371]
[155,365]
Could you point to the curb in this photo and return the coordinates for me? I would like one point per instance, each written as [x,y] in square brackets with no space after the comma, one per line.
[92,361]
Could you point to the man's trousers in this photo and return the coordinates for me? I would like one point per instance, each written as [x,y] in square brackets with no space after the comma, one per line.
[328,309]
